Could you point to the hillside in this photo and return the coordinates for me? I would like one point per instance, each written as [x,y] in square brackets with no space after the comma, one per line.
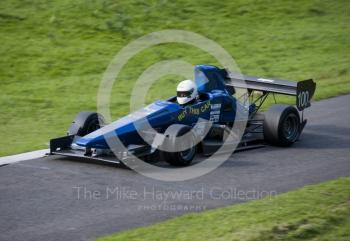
[53,53]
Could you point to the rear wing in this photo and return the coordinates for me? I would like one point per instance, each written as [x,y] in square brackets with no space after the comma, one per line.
[303,90]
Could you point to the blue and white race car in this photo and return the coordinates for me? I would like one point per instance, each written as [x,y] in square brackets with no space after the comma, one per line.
[153,133]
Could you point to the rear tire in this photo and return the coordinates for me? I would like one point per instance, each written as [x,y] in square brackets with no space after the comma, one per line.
[181,158]
[85,123]
[281,125]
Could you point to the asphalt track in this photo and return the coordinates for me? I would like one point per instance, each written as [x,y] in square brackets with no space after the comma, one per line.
[55,198]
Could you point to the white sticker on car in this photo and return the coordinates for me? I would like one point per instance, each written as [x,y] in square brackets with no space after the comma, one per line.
[215,106]
[215,112]
[214,118]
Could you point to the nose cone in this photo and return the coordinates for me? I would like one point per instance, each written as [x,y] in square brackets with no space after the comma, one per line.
[97,139]
[124,130]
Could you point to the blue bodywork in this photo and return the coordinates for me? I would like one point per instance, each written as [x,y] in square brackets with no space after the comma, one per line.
[215,104]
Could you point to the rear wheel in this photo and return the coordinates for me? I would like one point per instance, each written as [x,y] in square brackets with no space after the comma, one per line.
[281,125]
[85,123]
[187,146]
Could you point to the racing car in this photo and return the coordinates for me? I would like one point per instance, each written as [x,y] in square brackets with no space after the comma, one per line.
[217,106]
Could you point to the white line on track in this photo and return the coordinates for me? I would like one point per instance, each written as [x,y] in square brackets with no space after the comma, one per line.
[23,156]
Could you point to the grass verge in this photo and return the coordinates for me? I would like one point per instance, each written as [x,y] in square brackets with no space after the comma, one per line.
[318,212]
[53,53]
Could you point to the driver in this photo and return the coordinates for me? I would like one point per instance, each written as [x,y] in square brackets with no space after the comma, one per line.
[186,92]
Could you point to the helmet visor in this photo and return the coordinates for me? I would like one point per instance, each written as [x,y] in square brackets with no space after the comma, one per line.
[184,93]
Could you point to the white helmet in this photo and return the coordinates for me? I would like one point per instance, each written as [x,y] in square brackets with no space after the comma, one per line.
[186,92]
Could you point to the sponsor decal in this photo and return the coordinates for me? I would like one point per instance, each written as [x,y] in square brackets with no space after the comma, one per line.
[194,111]
[215,112]
[214,118]
[216,106]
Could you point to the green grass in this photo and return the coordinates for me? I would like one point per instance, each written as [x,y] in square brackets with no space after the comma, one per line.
[319,212]
[53,53]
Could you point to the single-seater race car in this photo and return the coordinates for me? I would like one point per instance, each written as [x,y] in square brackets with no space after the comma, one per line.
[217,104]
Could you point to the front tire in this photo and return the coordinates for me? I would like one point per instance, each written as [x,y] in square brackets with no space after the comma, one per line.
[179,158]
[85,123]
[281,125]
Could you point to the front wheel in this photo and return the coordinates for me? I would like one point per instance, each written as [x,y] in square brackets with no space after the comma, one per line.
[85,123]
[281,125]
[187,146]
